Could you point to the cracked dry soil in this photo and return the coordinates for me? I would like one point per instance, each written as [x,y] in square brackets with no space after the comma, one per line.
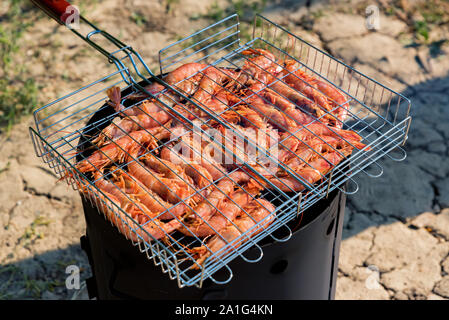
[396,229]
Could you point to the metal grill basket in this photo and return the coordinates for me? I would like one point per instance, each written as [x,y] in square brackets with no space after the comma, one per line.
[65,127]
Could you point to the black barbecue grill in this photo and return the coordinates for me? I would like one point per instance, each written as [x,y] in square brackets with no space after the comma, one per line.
[296,254]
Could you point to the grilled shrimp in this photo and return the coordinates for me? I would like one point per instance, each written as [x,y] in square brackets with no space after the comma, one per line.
[316,130]
[124,224]
[134,206]
[183,78]
[348,136]
[167,168]
[274,116]
[288,108]
[254,119]
[172,190]
[210,93]
[302,102]
[149,114]
[286,184]
[305,84]
[187,175]
[146,115]
[308,111]
[121,127]
[310,161]
[227,211]
[256,211]
[207,208]
[262,67]
[115,100]
[325,95]
[186,77]
[197,153]
[272,77]
[130,227]
[251,117]
[338,100]
[195,171]
[314,171]
[115,96]
[123,149]
[316,147]
[137,190]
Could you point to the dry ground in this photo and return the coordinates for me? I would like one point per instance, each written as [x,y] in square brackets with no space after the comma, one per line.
[396,232]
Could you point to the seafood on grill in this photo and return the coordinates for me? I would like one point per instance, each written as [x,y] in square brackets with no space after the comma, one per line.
[220,207]
[331,100]
[226,213]
[130,216]
[135,189]
[121,150]
[258,212]
[151,113]
[149,164]
[185,78]
[210,93]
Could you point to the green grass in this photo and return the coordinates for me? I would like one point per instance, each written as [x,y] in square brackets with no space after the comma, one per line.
[17,98]
[18,92]
[138,18]
[15,284]
[5,168]
[244,9]
[432,14]
[422,30]
[52,285]
[7,273]
[31,234]
[34,287]
[169,4]
[422,17]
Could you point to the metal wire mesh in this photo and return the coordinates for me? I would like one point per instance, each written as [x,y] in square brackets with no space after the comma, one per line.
[62,138]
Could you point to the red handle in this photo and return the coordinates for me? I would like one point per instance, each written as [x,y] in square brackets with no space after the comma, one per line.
[57,9]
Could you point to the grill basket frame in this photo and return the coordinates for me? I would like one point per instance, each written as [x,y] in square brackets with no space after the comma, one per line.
[377,113]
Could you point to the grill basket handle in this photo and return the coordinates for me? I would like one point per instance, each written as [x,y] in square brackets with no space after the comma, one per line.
[115,50]
[60,10]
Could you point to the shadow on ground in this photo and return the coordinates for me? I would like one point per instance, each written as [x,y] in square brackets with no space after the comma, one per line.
[44,276]
[418,184]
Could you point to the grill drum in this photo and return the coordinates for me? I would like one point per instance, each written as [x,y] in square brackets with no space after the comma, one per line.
[304,267]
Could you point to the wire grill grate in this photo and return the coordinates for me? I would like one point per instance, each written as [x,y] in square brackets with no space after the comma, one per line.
[62,139]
